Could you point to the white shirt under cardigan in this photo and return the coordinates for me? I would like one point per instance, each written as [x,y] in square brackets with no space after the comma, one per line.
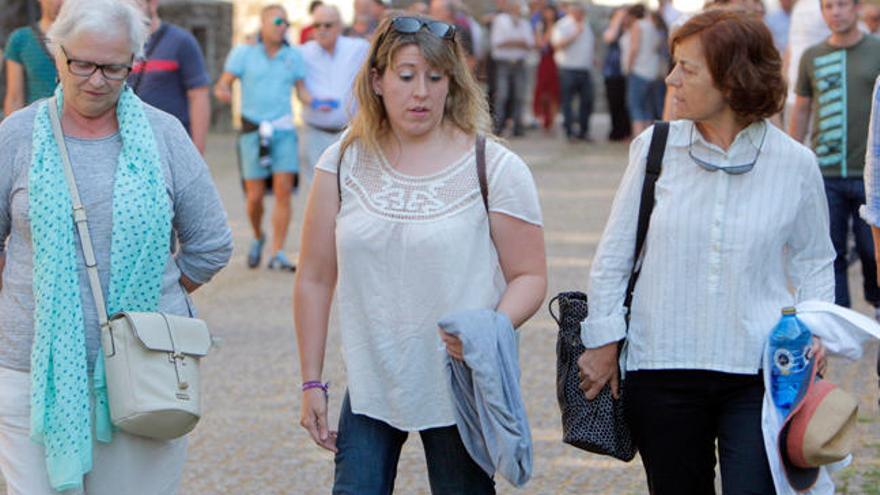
[411,250]
[717,253]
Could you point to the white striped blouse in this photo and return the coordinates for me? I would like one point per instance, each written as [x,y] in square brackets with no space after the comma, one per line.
[723,255]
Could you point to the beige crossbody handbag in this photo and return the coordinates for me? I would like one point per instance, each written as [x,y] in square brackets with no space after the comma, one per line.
[151,359]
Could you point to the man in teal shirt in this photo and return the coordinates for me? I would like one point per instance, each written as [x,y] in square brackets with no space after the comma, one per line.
[834,90]
[268,70]
[30,69]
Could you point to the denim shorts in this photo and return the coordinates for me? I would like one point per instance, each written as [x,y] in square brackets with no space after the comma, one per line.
[284,151]
[638,98]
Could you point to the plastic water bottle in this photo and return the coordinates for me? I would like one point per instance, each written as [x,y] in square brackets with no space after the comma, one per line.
[790,354]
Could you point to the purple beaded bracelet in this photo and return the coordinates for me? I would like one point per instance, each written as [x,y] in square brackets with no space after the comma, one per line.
[316,384]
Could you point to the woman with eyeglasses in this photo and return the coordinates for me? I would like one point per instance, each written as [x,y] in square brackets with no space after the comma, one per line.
[142,183]
[397,226]
[739,230]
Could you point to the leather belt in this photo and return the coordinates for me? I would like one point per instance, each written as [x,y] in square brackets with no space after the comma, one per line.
[329,130]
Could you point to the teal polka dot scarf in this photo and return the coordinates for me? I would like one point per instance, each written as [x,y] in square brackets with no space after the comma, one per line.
[61,415]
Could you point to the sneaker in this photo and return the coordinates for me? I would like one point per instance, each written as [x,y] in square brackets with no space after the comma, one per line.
[256,252]
[280,262]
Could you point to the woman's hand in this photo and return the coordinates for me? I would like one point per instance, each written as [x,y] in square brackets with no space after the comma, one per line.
[598,366]
[453,345]
[820,356]
[314,419]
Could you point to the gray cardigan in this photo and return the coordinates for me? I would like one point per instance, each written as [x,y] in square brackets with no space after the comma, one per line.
[204,240]
[489,409]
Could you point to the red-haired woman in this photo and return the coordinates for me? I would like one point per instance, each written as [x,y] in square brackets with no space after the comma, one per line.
[740,217]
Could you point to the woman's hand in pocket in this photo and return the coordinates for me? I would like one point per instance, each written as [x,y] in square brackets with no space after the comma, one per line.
[188,285]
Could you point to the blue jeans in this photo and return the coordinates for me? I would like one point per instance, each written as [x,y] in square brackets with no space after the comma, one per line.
[366,463]
[844,198]
[576,83]
[510,87]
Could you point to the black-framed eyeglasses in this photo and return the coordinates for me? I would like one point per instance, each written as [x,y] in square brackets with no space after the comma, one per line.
[732,170]
[280,21]
[410,25]
[84,68]
[324,25]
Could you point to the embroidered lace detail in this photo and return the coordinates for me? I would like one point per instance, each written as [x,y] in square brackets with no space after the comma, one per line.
[389,194]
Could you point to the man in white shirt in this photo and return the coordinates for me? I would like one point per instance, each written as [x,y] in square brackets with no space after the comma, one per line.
[669,13]
[779,21]
[332,61]
[574,45]
[806,29]
[511,40]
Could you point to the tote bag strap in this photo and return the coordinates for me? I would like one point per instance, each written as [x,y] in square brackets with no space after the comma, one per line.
[646,205]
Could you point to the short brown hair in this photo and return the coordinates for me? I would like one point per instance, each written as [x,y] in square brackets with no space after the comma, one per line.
[741,56]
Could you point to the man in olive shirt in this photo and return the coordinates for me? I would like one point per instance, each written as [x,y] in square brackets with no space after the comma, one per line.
[834,86]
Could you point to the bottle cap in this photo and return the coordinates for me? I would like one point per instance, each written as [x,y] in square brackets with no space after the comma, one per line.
[789,310]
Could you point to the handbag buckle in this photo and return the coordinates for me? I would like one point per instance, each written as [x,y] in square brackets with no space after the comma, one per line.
[109,329]
[176,358]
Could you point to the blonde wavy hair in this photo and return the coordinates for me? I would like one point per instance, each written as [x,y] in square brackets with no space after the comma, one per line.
[466,105]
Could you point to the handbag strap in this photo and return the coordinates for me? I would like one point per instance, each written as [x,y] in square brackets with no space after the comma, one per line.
[41,38]
[646,205]
[79,216]
[481,170]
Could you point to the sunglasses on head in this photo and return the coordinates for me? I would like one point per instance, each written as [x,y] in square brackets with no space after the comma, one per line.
[410,25]
[280,21]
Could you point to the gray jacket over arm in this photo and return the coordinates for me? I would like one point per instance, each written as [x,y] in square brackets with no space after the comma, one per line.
[489,408]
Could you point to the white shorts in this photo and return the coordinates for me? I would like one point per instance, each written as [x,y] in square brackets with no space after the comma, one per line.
[129,464]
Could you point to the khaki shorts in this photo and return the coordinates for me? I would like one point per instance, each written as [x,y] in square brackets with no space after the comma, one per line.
[129,464]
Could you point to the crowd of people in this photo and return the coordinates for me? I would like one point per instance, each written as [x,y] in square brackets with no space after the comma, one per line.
[427,229]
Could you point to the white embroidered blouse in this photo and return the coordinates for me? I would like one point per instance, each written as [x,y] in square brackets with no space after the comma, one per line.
[411,249]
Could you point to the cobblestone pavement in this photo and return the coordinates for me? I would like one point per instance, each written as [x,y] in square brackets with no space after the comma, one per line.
[249,441]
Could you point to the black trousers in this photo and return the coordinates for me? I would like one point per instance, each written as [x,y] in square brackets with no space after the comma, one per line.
[615,92]
[677,415]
